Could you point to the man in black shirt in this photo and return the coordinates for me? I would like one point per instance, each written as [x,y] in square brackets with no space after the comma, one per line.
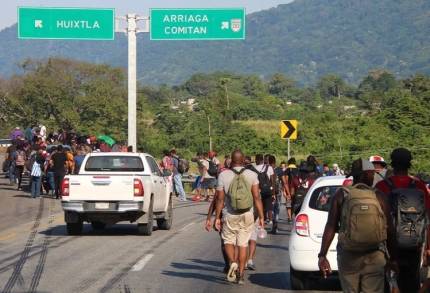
[58,163]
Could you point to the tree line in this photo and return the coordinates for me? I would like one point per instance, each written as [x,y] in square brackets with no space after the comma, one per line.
[337,121]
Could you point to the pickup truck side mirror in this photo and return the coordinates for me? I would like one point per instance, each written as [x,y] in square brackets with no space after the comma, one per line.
[167,173]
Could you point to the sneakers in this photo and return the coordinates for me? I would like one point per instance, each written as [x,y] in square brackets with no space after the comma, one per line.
[240,280]
[251,266]
[231,274]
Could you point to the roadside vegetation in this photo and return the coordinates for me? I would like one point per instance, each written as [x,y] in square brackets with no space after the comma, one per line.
[338,121]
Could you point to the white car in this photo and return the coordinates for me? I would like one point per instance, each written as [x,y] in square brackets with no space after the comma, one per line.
[114,187]
[307,232]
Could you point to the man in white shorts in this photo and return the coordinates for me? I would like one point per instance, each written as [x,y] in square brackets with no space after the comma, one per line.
[238,224]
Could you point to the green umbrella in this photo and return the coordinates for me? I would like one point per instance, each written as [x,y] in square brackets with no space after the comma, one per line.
[107,139]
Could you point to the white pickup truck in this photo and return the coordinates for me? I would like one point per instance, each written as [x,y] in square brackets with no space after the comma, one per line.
[114,187]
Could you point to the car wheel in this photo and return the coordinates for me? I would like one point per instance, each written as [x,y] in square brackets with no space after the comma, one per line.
[74,228]
[146,229]
[298,280]
[166,224]
[98,225]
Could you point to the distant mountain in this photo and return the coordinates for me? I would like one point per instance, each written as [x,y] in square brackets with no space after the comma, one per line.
[304,39]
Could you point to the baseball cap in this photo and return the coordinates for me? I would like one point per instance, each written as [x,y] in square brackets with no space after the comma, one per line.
[359,166]
[377,159]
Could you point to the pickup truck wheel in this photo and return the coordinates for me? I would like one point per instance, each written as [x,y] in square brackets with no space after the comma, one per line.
[74,228]
[98,225]
[146,229]
[166,224]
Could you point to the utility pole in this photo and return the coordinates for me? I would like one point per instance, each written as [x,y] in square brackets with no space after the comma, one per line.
[132,60]
[131,31]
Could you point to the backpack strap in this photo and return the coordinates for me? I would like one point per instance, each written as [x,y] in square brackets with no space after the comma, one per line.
[238,172]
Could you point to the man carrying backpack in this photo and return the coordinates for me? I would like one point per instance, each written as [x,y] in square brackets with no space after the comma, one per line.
[366,238]
[291,172]
[178,169]
[266,179]
[301,184]
[410,206]
[238,191]
[210,167]
[20,158]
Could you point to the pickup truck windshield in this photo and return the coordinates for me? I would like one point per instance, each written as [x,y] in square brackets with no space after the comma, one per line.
[114,164]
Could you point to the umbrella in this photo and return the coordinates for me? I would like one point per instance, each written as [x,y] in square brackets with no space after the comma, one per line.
[107,139]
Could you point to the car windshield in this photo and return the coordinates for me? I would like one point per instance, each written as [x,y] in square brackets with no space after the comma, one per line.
[322,197]
[114,163]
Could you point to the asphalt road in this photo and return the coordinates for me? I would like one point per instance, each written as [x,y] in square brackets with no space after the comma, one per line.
[36,254]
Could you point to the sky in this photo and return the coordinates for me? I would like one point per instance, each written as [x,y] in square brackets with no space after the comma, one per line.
[8,12]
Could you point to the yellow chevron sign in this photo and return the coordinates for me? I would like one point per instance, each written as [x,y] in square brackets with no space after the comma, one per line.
[288,129]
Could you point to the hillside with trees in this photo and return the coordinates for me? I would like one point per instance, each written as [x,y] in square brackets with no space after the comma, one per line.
[338,121]
[306,39]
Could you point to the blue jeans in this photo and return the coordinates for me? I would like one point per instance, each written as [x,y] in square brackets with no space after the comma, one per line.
[51,181]
[177,179]
[36,181]
[12,173]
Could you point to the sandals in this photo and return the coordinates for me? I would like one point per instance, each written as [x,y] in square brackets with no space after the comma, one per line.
[231,275]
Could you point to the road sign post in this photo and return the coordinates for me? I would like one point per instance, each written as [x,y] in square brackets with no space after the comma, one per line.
[66,23]
[288,131]
[197,24]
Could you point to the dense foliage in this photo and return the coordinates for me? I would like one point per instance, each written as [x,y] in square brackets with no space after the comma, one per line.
[306,39]
[338,121]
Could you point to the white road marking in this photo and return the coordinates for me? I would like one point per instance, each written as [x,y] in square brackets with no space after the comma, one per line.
[141,263]
[186,227]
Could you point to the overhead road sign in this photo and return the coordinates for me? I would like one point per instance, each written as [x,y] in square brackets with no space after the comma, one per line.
[288,129]
[197,24]
[66,23]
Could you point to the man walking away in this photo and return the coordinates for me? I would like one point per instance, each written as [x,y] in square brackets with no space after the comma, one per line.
[362,218]
[210,170]
[238,190]
[290,173]
[177,175]
[20,159]
[410,204]
[58,162]
[266,179]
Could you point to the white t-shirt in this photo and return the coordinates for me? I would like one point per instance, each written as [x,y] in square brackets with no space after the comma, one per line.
[260,168]
[226,177]
[205,164]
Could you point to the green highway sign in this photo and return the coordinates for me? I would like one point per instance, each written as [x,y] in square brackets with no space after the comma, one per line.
[66,23]
[197,24]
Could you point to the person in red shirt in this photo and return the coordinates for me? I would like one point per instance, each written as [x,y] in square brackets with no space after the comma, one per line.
[409,260]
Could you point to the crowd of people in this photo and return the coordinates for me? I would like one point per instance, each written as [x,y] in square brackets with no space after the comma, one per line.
[49,156]
[386,247]
[381,216]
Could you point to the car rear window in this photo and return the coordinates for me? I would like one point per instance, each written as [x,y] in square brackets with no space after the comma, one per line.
[322,197]
[114,164]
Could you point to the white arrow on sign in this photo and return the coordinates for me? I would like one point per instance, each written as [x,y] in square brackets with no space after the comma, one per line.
[38,23]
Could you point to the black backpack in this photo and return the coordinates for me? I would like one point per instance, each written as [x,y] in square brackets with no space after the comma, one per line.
[213,169]
[299,195]
[183,165]
[409,214]
[265,183]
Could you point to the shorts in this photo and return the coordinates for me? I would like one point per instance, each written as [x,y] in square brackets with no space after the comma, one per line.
[208,183]
[237,229]
[267,203]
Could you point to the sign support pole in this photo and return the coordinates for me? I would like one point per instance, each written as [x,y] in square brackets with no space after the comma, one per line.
[132,93]
[288,148]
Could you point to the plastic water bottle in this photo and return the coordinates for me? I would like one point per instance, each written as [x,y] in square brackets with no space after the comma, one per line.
[261,232]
